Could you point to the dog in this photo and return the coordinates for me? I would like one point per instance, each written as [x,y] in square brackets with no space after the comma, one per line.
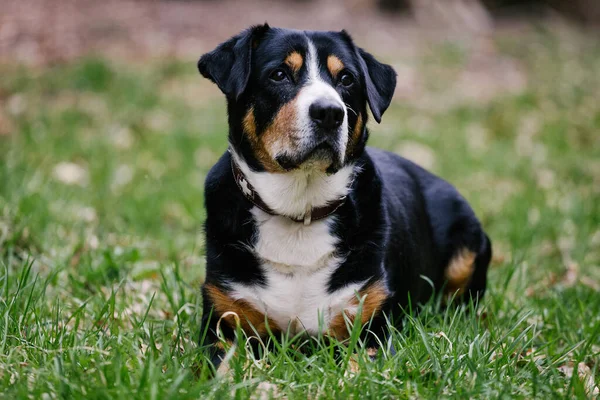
[307,229]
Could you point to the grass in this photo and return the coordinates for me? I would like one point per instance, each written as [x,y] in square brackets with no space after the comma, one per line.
[101,247]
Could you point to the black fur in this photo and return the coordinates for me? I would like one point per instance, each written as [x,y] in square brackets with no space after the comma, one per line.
[399,222]
[229,64]
[380,81]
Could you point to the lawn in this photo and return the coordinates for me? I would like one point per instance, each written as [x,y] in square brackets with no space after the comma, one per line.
[102,166]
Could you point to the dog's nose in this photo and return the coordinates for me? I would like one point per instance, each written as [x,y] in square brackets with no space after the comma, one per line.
[326,114]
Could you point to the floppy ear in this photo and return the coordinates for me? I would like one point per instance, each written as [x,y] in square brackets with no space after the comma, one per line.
[229,64]
[380,82]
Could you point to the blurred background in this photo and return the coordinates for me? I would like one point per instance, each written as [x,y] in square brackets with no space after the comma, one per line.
[107,132]
[50,31]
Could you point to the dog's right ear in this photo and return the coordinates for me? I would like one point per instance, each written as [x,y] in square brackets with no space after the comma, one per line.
[229,64]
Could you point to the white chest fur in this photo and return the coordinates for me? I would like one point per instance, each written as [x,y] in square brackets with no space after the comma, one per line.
[297,261]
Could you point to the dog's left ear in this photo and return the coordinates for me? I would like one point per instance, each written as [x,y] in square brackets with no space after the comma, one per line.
[379,79]
[229,64]
[380,82]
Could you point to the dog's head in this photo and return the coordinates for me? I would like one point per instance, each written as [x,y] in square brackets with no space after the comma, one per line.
[298,99]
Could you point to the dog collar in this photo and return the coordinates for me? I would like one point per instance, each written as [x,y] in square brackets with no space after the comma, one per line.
[253,197]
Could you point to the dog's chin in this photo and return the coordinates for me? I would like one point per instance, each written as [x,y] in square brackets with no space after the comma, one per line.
[320,158]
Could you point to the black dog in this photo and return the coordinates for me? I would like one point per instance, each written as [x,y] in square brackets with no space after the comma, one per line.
[306,228]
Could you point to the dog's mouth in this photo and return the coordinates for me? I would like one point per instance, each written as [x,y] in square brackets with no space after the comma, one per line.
[323,156]
[321,151]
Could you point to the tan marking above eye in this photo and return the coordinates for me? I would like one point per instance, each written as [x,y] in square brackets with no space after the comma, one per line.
[375,295]
[294,60]
[334,65]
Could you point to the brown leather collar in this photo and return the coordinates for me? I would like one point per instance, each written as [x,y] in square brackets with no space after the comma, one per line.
[251,194]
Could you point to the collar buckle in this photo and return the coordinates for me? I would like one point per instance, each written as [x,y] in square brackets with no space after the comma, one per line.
[307,218]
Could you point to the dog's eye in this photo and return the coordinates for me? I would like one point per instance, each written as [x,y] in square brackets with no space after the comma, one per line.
[346,79]
[278,75]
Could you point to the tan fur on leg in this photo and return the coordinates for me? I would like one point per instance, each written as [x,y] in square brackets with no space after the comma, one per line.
[459,272]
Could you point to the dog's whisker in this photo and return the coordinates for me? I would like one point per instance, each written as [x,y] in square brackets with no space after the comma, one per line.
[350,108]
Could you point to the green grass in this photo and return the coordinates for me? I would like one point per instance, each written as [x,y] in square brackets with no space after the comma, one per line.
[101,246]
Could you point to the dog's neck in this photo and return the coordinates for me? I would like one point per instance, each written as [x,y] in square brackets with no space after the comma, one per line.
[296,192]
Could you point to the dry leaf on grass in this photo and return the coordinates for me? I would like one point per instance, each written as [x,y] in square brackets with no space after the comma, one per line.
[571,275]
[443,335]
[267,390]
[568,279]
[353,367]
[591,283]
[523,358]
[549,281]
[585,375]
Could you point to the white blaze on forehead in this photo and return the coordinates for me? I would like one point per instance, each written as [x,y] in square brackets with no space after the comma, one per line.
[317,89]
[312,62]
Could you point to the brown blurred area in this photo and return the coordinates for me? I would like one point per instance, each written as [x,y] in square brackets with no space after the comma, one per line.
[404,33]
[41,32]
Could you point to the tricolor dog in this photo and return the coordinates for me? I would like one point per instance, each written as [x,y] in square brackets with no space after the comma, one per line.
[306,227]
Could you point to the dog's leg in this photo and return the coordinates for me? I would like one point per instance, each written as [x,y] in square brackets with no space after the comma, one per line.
[213,334]
[477,284]
[466,273]
[377,337]
[225,320]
